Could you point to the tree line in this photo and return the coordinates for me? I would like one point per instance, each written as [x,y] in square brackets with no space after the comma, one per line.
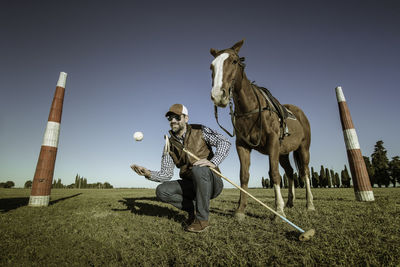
[381,172]
[8,184]
[325,178]
[80,182]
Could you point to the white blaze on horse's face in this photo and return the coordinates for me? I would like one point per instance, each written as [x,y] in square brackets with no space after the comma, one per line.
[217,93]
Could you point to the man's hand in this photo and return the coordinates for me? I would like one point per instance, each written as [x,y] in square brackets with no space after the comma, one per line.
[204,162]
[141,170]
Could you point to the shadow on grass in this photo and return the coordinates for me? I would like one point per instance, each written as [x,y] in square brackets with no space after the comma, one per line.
[141,208]
[231,213]
[292,235]
[52,202]
[7,204]
[221,212]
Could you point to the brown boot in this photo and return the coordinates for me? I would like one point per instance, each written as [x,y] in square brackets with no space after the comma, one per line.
[198,226]
[191,218]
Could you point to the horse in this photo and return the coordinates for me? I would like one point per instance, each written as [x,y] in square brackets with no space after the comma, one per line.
[259,123]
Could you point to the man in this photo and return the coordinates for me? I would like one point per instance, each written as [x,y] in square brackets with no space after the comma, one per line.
[199,184]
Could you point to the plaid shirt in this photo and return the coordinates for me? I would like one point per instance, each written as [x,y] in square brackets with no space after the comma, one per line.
[211,137]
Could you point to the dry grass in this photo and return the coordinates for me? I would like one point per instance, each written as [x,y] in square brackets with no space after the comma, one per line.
[129,227]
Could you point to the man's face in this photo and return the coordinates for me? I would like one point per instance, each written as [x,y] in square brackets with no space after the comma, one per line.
[177,122]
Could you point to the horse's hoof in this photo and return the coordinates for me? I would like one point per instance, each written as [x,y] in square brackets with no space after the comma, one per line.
[311,208]
[240,216]
[276,219]
[289,204]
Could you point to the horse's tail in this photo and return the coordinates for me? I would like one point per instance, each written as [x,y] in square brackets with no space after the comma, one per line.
[297,160]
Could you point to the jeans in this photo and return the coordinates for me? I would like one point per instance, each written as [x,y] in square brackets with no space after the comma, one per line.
[192,195]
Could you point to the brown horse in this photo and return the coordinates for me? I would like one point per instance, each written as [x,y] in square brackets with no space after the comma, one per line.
[258,124]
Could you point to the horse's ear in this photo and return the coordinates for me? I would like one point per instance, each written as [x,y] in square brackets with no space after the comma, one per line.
[213,52]
[236,47]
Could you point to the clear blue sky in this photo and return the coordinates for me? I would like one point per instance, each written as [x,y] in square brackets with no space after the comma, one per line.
[128,61]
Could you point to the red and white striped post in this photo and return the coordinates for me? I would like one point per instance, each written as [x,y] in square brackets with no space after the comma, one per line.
[41,187]
[361,183]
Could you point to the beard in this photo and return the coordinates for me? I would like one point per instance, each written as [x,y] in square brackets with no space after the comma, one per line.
[176,127]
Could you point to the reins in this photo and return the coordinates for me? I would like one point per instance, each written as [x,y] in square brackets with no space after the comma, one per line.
[234,115]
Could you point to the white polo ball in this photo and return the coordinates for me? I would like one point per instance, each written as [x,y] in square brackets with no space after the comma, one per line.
[138,136]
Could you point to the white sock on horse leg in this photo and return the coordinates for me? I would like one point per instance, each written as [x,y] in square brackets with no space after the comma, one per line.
[278,198]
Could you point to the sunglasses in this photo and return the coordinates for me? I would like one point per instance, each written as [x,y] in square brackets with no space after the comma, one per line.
[176,117]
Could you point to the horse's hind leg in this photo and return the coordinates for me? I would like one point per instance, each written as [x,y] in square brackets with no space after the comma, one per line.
[276,177]
[244,157]
[285,163]
[303,159]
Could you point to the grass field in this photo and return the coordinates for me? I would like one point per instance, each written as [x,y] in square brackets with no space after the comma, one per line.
[129,227]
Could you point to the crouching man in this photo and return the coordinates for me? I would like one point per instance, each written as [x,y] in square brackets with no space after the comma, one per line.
[198,184]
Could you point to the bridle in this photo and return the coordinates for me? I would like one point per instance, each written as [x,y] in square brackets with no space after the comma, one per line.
[235,115]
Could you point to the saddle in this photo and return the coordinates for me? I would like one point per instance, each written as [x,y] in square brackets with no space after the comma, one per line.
[278,108]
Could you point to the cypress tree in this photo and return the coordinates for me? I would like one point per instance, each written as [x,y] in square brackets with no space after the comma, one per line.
[337,179]
[59,184]
[345,177]
[380,164]
[332,173]
[322,178]
[76,181]
[268,183]
[315,180]
[342,178]
[311,178]
[328,178]
[370,170]
[348,176]
[394,166]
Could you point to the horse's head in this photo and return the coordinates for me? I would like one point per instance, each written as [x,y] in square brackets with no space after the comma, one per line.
[224,70]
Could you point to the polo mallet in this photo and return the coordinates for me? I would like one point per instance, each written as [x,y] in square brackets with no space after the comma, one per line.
[304,236]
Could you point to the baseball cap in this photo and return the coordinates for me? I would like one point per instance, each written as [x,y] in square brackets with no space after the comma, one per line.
[178,109]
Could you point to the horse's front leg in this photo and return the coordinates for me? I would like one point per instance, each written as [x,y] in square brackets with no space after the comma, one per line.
[276,178]
[244,157]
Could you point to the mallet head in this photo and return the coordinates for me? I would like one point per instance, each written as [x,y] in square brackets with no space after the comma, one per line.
[307,235]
